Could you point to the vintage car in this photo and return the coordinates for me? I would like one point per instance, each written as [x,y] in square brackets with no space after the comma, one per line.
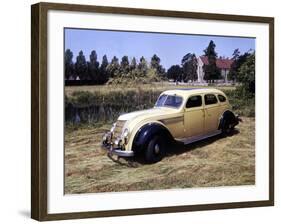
[182,115]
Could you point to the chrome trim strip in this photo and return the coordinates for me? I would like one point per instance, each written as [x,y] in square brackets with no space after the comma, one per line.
[172,120]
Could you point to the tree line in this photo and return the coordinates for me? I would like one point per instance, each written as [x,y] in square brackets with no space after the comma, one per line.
[91,71]
[98,73]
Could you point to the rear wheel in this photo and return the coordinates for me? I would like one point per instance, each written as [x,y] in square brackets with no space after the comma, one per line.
[227,128]
[155,150]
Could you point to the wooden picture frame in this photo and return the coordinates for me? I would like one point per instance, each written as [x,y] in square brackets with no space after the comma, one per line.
[39,108]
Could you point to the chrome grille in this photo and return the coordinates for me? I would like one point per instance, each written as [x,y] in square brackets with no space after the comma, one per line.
[118,128]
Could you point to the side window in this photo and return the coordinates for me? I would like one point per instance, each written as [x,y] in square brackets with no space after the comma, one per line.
[210,99]
[221,98]
[194,101]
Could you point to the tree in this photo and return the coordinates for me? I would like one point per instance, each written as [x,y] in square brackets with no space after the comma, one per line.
[81,66]
[211,70]
[142,67]
[124,66]
[238,60]
[68,64]
[155,64]
[133,68]
[246,74]
[235,54]
[232,75]
[175,72]
[133,64]
[104,74]
[113,67]
[189,66]
[93,68]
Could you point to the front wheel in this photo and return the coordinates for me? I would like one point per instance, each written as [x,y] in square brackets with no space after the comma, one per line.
[155,150]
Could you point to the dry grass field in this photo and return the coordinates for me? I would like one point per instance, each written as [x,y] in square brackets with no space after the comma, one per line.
[216,161]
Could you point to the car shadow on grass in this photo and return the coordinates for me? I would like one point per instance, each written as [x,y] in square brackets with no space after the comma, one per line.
[180,148]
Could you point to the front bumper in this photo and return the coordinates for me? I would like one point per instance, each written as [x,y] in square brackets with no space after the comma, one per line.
[114,148]
[118,151]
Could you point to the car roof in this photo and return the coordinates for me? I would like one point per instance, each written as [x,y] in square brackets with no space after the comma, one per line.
[190,91]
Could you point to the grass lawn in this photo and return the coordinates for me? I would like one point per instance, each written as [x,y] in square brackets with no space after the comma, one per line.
[213,162]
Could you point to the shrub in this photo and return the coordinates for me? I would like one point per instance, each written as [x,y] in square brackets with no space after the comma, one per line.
[242,102]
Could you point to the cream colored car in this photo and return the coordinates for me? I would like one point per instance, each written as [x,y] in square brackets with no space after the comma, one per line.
[182,115]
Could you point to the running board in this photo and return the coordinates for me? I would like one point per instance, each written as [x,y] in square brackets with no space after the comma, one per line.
[198,137]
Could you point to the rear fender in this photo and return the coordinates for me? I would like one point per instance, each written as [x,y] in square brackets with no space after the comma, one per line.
[228,116]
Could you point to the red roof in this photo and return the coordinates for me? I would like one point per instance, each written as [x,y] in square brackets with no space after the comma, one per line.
[222,63]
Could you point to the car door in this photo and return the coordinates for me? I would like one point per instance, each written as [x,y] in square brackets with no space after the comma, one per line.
[212,112]
[194,116]
[224,104]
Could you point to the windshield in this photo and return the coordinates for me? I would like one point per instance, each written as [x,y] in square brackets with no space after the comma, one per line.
[169,101]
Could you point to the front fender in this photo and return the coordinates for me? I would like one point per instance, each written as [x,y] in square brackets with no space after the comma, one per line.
[146,132]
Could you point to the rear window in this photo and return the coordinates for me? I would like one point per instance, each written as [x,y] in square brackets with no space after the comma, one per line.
[221,98]
[210,99]
[194,101]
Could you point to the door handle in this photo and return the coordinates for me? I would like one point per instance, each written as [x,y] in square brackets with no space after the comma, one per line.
[203,112]
[206,112]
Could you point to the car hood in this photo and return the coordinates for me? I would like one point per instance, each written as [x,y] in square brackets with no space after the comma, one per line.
[146,114]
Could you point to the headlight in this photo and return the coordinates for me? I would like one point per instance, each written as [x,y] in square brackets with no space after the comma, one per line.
[113,127]
[126,133]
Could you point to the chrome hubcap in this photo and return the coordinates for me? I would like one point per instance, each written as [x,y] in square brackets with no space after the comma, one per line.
[156,149]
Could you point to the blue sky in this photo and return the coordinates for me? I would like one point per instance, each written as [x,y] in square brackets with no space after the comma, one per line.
[169,47]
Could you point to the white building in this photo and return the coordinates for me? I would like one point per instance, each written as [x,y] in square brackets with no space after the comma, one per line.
[224,64]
